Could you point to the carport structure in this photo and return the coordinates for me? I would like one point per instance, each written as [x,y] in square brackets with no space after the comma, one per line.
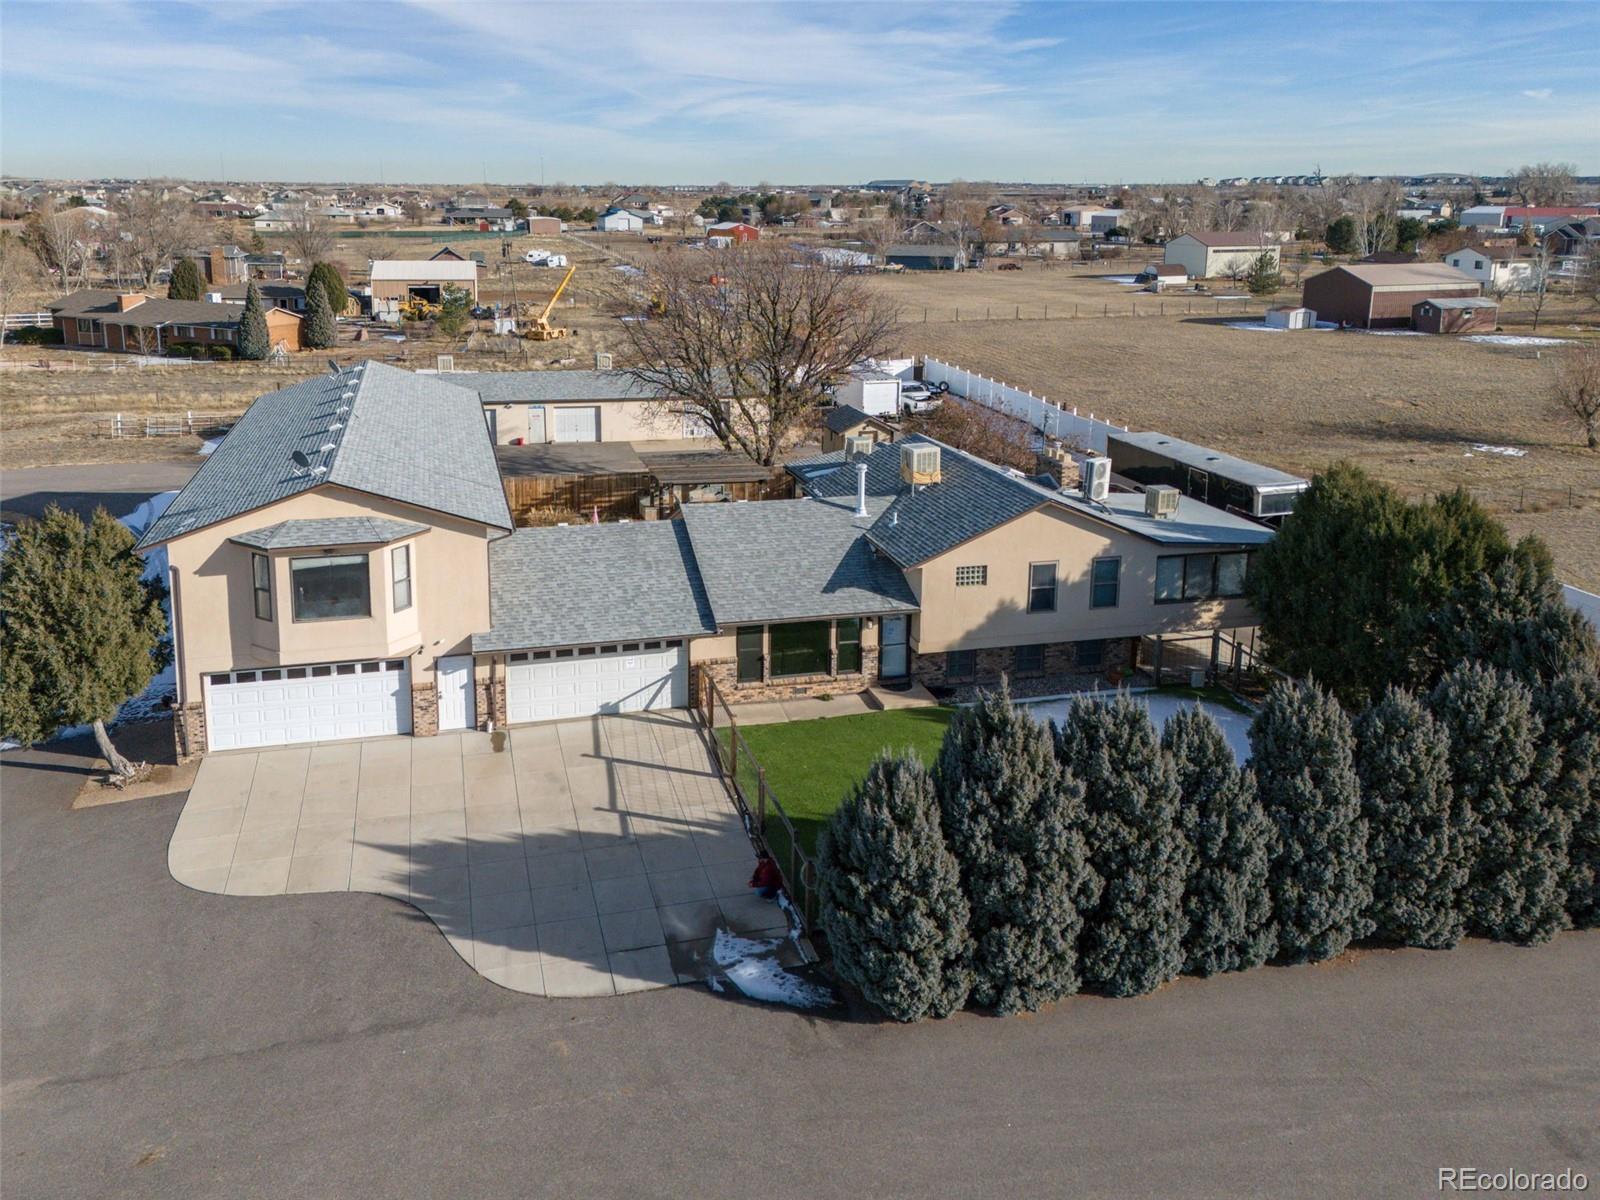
[582,858]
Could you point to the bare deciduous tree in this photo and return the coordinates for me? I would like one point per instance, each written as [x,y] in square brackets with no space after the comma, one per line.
[753,353]
[878,234]
[1545,183]
[1540,277]
[962,213]
[1577,389]
[156,229]
[60,239]
[978,429]
[310,234]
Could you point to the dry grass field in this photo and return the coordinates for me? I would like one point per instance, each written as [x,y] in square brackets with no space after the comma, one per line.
[1408,408]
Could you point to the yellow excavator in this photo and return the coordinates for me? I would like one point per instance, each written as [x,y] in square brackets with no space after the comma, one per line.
[541,330]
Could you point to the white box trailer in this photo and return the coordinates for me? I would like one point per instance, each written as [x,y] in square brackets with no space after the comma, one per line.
[876,393]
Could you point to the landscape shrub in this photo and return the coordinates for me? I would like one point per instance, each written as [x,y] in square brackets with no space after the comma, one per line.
[1514,617]
[327,277]
[220,353]
[1570,709]
[1014,822]
[891,899]
[183,349]
[1500,769]
[1416,839]
[1133,937]
[35,336]
[1321,880]
[1227,903]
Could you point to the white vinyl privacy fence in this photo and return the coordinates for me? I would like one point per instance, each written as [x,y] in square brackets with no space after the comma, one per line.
[1049,418]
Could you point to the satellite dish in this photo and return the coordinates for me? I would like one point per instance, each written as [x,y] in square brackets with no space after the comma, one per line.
[299,459]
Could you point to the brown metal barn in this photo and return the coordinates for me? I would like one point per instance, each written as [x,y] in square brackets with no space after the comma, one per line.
[1382,295]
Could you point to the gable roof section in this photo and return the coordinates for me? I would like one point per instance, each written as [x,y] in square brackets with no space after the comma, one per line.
[372,447]
[1406,275]
[85,301]
[1219,239]
[791,560]
[441,269]
[582,584]
[544,387]
[973,497]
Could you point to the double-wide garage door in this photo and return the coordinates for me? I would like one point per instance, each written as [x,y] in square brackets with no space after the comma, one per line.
[546,685]
[327,702]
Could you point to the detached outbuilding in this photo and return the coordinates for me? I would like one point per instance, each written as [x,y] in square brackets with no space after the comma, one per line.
[1290,316]
[1455,314]
[1382,295]
[1211,254]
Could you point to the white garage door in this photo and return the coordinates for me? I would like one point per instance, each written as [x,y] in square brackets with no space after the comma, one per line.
[577,425]
[307,704]
[547,685]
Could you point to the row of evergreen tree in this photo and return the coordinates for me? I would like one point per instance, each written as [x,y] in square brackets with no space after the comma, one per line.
[1031,861]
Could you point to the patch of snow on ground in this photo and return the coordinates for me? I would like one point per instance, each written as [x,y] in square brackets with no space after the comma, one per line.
[1506,451]
[1263,327]
[1394,332]
[207,446]
[1512,339]
[752,966]
[1235,725]
[1117,278]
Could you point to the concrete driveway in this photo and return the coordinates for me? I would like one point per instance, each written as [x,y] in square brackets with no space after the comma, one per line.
[587,858]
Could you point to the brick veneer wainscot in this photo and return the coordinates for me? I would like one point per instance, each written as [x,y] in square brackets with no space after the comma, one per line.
[725,671]
[189,731]
[424,710]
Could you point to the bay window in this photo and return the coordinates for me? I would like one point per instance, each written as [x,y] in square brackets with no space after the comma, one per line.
[330,588]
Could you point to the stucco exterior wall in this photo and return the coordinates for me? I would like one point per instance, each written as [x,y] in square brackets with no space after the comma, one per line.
[996,614]
[620,421]
[215,600]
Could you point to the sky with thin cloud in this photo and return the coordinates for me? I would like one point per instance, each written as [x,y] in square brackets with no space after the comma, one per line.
[461,90]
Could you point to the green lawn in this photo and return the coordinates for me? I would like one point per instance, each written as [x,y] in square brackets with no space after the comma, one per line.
[810,765]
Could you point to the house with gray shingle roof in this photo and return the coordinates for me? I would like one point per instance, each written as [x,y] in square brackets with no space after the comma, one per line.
[344,565]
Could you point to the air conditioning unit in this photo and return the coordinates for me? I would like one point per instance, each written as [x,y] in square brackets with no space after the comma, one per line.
[1161,501]
[1094,474]
[919,463]
[446,362]
[857,446]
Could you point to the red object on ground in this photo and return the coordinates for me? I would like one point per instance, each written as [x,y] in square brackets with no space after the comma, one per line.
[766,874]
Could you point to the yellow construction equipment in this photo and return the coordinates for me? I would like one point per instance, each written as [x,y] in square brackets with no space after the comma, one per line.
[541,330]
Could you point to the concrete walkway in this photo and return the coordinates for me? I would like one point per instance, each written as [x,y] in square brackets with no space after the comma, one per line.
[852,704]
[587,858]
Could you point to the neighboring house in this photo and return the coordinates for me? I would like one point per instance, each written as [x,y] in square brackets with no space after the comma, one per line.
[727,233]
[223,264]
[446,254]
[620,220]
[133,323]
[1212,255]
[1053,243]
[289,296]
[844,422]
[1497,268]
[544,226]
[926,256]
[270,265]
[1514,216]
[1455,314]
[1484,216]
[1091,218]
[1573,237]
[395,281]
[534,407]
[1382,295]
[482,217]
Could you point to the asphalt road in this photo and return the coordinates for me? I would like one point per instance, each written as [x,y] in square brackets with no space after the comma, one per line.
[160,1042]
[120,487]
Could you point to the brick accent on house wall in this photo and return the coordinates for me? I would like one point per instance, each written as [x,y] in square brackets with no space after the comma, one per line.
[189,731]
[792,687]
[490,699]
[424,710]
[1062,670]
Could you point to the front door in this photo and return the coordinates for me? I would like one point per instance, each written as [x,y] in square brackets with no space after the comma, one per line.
[892,648]
[456,707]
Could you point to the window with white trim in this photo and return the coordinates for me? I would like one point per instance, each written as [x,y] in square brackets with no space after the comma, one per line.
[400,562]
